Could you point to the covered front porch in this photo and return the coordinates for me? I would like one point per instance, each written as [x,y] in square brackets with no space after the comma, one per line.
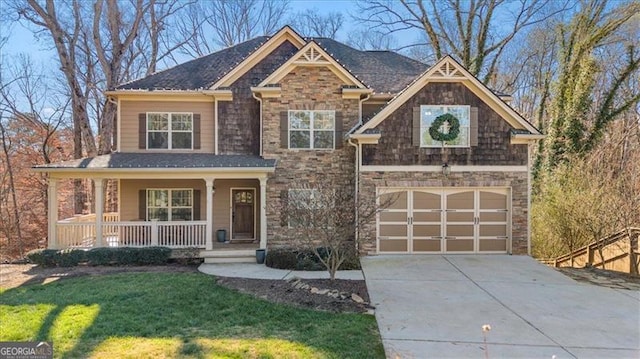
[215,208]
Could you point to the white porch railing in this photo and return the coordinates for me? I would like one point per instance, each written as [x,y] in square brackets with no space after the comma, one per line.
[80,232]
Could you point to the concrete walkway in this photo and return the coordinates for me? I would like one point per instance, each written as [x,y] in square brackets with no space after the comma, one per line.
[260,271]
[435,306]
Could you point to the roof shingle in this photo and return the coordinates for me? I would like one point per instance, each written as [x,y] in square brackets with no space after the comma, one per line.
[163,160]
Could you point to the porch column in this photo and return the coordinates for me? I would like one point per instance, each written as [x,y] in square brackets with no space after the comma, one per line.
[99,205]
[209,211]
[52,195]
[263,212]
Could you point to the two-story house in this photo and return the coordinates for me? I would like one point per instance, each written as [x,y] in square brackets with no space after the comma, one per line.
[206,151]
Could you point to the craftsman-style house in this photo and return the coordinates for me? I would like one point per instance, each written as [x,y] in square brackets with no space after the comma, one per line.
[204,150]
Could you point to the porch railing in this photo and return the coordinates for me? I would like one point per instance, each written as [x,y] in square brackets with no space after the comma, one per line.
[80,232]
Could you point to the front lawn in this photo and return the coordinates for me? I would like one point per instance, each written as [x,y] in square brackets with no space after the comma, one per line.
[168,315]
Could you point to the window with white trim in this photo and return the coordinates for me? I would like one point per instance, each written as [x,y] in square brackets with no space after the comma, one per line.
[169,130]
[429,113]
[170,204]
[312,129]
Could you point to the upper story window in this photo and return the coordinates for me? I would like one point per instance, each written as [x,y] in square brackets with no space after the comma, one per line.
[429,113]
[170,204]
[169,130]
[312,129]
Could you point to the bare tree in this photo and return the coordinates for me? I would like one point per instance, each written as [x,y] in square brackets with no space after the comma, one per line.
[371,40]
[325,219]
[476,32]
[206,26]
[312,23]
[29,133]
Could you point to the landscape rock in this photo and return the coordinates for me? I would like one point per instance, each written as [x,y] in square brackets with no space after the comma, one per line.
[356,298]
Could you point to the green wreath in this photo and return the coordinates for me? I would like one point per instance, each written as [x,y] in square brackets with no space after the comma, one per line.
[454,128]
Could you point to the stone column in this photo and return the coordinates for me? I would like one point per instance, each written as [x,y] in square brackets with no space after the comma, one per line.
[52,202]
[209,211]
[99,205]
[263,212]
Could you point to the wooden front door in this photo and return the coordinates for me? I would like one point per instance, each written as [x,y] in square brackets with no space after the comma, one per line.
[243,210]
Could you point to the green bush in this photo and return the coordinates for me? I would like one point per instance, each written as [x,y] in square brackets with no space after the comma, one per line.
[281,258]
[153,255]
[306,259]
[70,257]
[43,257]
[101,256]
[56,258]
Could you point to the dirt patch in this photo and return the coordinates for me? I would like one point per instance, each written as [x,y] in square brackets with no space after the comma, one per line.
[299,295]
[277,291]
[601,277]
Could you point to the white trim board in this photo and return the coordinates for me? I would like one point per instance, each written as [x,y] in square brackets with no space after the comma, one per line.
[454,168]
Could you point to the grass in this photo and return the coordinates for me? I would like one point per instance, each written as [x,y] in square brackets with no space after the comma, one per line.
[176,315]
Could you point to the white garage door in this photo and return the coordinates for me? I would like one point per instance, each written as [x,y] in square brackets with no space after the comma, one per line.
[437,220]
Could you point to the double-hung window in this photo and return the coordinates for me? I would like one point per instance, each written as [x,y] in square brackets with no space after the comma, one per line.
[170,204]
[169,130]
[428,114]
[312,129]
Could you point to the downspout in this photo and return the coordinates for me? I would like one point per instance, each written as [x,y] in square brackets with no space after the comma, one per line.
[358,155]
[259,100]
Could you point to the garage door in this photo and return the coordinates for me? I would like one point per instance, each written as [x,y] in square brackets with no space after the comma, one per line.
[437,220]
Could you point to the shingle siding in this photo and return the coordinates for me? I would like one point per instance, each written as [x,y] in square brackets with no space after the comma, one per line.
[494,133]
[239,120]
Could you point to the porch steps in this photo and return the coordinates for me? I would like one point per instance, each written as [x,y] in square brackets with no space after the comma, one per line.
[229,256]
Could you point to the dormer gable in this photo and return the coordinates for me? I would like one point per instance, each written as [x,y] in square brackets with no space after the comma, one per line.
[284,34]
[449,70]
[313,55]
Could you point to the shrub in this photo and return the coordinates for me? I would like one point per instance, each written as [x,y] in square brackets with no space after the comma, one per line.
[153,255]
[129,256]
[70,257]
[56,258]
[306,259]
[43,257]
[101,256]
[281,258]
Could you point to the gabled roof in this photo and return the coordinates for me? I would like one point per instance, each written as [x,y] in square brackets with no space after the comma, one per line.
[382,71]
[449,70]
[200,73]
[313,55]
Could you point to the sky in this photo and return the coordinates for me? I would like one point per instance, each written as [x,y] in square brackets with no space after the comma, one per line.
[21,40]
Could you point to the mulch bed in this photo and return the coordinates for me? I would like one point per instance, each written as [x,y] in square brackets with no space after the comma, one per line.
[280,291]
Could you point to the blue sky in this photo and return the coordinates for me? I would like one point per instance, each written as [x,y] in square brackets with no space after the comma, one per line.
[21,40]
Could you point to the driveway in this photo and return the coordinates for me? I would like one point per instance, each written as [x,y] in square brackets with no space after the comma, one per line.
[434,306]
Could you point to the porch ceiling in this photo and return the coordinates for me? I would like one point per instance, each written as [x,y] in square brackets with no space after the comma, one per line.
[181,164]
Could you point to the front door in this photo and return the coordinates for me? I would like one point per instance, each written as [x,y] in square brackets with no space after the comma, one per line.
[242,215]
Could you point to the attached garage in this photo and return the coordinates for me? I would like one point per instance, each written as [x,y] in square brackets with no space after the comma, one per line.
[444,220]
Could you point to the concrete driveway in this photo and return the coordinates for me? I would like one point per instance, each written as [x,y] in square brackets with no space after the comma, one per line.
[434,306]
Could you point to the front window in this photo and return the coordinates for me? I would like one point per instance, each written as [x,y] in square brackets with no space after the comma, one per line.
[170,204]
[312,129]
[429,113]
[169,130]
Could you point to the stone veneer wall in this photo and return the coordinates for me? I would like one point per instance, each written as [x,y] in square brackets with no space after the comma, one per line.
[396,145]
[239,120]
[310,88]
[517,181]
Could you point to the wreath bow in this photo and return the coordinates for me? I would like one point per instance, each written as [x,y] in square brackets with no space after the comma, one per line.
[454,128]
